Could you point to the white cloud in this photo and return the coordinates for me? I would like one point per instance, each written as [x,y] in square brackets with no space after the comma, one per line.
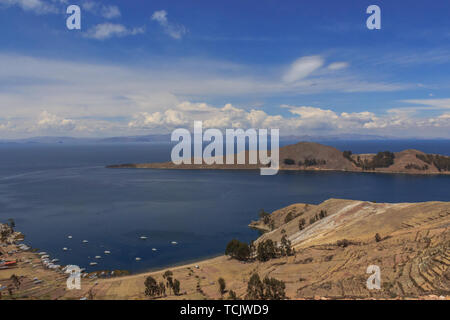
[303,67]
[35,6]
[304,120]
[110,12]
[430,104]
[95,99]
[108,30]
[48,120]
[176,31]
[337,65]
[184,114]
[106,11]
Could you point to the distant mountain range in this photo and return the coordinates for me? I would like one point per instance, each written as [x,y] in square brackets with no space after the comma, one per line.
[166,138]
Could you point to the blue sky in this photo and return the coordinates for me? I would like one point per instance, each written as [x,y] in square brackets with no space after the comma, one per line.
[306,67]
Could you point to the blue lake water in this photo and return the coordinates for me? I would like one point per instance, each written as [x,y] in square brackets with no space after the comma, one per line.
[53,191]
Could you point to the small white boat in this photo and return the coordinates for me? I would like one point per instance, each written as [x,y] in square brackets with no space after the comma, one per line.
[42,253]
[93,263]
[107,252]
[174,242]
[98,257]
[138,259]
[85,241]
[154,249]
[69,237]
[143,237]
[65,249]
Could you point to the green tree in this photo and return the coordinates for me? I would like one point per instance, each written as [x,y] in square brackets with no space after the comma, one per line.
[162,289]
[151,287]
[168,276]
[266,250]
[222,286]
[286,249]
[238,250]
[255,288]
[176,287]
[274,289]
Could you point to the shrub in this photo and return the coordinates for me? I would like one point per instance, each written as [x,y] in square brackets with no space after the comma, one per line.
[232,295]
[222,285]
[348,155]
[343,243]
[289,162]
[301,224]
[289,217]
[378,237]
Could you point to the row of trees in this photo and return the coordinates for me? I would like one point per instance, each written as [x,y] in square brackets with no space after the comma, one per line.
[268,289]
[380,160]
[155,289]
[306,162]
[416,167]
[442,163]
[266,250]
[322,214]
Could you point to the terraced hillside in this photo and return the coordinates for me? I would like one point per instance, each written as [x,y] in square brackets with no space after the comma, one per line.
[334,244]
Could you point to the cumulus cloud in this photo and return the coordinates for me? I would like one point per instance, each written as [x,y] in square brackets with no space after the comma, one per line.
[176,31]
[303,67]
[303,120]
[48,120]
[35,6]
[185,113]
[108,30]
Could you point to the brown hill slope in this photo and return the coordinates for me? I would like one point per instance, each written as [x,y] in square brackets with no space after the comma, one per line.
[331,257]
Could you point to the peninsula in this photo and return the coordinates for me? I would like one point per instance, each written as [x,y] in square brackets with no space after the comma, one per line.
[310,156]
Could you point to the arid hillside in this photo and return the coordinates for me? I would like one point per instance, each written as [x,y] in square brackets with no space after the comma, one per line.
[316,157]
[334,243]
